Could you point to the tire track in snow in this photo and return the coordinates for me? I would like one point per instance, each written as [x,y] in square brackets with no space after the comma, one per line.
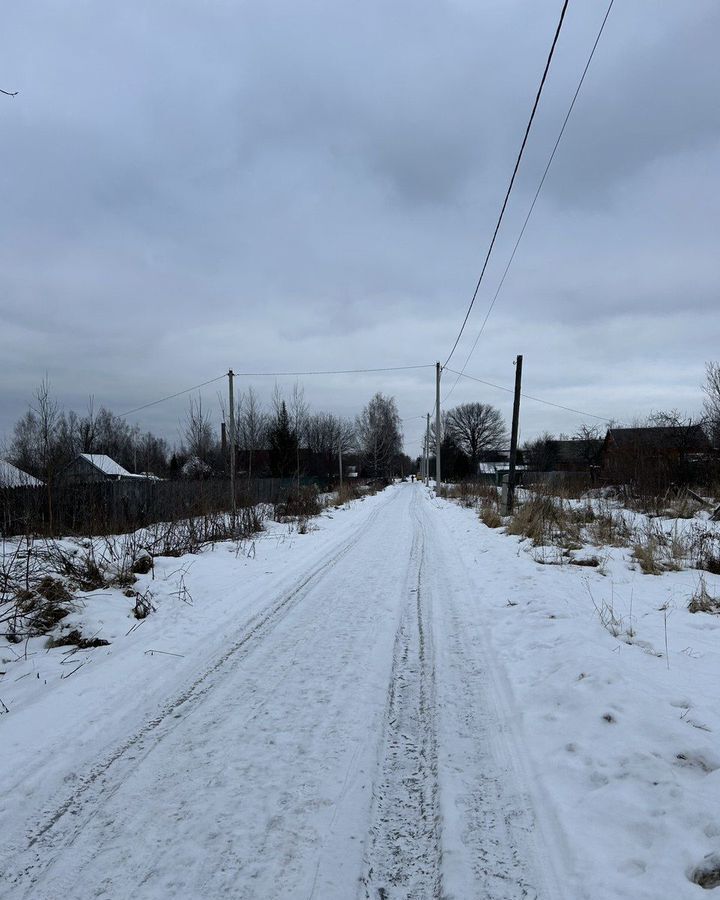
[487,802]
[404,849]
[59,827]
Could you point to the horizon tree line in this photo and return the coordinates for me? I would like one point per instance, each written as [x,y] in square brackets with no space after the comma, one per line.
[285,439]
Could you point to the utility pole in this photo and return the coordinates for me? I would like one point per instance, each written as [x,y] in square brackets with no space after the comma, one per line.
[438,437]
[340,460]
[231,400]
[514,437]
[427,452]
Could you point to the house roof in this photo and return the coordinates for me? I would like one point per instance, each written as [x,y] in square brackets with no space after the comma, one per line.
[689,438]
[106,465]
[579,450]
[11,476]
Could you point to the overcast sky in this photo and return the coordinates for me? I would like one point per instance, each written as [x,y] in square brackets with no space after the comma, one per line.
[190,186]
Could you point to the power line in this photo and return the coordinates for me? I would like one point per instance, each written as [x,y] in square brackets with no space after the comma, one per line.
[500,387]
[512,181]
[537,194]
[331,372]
[275,375]
[172,396]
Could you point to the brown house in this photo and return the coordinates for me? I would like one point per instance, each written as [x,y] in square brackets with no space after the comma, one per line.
[654,457]
[576,456]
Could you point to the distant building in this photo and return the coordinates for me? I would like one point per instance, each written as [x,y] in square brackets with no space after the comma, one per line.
[579,455]
[666,441]
[93,467]
[12,477]
[659,455]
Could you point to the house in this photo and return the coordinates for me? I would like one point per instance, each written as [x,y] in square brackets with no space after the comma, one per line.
[659,455]
[579,455]
[94,467]
[12,477]
[494,472]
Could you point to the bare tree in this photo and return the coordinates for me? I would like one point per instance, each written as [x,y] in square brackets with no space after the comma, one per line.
[251,423]
[668,418]
[48,415]
[197,432]
[540,454]
[299,412]
[476,428]
[711,389]
[588,436]
[87,428]
[326,434]
[379,435]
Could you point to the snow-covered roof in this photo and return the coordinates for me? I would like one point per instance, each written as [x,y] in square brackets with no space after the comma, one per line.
[106,465]
[492,468]
[11,476]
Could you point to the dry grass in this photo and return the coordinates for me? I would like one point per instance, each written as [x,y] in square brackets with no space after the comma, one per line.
[547,522]
[683,507]
[705,550]
[609,527]
[550,517]
[490,517]
[648,556]
[702,601]
[471,494]
[347,492]
[37,577]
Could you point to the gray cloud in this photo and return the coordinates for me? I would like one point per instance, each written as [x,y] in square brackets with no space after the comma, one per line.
[188,187]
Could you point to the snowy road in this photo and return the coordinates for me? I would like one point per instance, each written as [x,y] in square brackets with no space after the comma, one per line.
[342,740]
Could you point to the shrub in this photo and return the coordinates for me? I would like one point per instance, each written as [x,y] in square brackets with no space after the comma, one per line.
[300,503]
[608,527]
[702,601]
[345,493]
[546,522]
[38,611]
[490,517]
[648,557]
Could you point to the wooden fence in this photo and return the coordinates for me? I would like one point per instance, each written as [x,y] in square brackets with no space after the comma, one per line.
[112,507]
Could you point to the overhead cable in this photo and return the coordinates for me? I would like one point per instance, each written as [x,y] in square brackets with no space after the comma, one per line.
[273,375]
[508,390]
[331,372]
[172,396]
[537,194]
[512,181]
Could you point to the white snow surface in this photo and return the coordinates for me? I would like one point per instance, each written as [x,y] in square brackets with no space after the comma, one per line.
[401,703]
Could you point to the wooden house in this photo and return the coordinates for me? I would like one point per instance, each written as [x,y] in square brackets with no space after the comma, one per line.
[88,468]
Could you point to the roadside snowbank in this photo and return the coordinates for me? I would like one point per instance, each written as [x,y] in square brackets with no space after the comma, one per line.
[621,735]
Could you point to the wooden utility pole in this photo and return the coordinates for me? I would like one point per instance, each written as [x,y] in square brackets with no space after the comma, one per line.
[340,460]
[514,436]
[231,400]
[427,452]
[438,437]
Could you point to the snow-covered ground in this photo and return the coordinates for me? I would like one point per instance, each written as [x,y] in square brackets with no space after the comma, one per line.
[400,703]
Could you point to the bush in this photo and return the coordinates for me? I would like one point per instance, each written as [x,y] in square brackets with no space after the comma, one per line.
[471,493]
[702,601]
[345,493]
[301,503]
[608,527]
[546,522]
[490,517]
